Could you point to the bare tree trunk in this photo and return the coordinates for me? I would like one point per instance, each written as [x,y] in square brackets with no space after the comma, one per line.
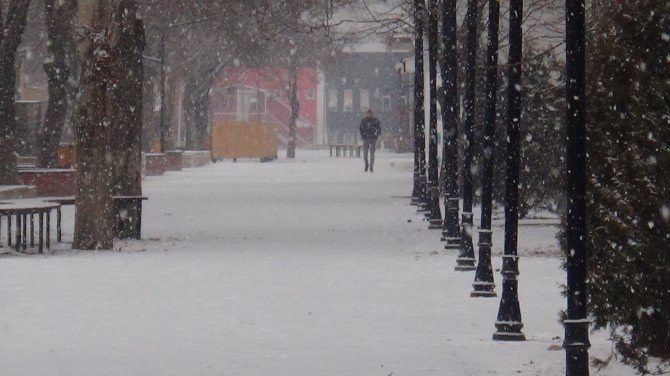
[58,19]
[126,104]
[12,28]
[196,108]
[295,106]
[94,221]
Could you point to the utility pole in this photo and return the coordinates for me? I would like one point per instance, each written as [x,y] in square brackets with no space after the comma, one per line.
[483,286]
[450,113]
[576,341]
[509,322]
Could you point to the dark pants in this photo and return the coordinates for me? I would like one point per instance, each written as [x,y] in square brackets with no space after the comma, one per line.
[369,146]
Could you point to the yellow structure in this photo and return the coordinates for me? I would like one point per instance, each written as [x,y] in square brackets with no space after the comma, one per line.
[231,140]
[66,156]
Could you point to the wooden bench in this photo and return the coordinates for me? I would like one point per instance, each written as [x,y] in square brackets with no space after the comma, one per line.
[126,226]
[341,150]
[24,211]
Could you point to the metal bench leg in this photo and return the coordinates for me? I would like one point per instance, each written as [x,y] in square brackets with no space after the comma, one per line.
[138,229]
[9,230]
[58,225]
[25,231]
[18,240]
[40,230]
[48,231]
[32,230]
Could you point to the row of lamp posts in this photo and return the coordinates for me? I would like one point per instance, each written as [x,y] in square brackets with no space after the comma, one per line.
[427,187]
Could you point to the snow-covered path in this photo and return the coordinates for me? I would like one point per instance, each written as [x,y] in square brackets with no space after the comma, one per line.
[303,267]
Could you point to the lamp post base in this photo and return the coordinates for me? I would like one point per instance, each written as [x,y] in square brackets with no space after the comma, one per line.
[509,331]
[452,242]
[483,290]
[435,224]
[465,264]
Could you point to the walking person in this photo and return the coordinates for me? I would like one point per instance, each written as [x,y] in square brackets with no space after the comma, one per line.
[370,129]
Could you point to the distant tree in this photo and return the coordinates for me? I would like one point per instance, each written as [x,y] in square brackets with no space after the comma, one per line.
[542,132]
[59,20]
[628,202]
[12,25]
[542,128]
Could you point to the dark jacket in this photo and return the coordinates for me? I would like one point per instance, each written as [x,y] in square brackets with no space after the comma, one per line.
[370,129]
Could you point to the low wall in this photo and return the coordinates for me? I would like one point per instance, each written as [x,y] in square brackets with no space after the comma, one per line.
[8,192]
[154,164]
[51,182]
[195,158]
[174,160]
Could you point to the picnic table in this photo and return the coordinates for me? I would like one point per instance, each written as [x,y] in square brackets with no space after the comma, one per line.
[341,149]
[22,212]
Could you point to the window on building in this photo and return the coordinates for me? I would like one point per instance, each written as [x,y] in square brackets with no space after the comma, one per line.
[224,102]
[365,100]
[348,100]
[386,103]
[252,104]
[332,99]
[309,94]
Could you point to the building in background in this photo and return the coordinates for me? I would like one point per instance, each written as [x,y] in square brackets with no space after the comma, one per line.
[368,76]
[260,95]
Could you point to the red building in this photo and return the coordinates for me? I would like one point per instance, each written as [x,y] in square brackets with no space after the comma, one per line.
[243,94]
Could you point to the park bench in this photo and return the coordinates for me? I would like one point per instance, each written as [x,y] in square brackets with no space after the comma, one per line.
[127,226]
[341,150]
[23,212]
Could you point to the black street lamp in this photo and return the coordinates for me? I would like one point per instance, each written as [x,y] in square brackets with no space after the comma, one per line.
[419,192]
[435,217]
[576,341]
[483,286]
[509,322]
[466,258]
[450,112]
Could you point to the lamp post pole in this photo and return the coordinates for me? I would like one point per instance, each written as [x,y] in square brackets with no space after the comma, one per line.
[483,286]
[435,216]
[576,341]
[419,192]
[509,322]
[450,112]
[466,258]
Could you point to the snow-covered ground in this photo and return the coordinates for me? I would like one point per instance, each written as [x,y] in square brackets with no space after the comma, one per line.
[301,267]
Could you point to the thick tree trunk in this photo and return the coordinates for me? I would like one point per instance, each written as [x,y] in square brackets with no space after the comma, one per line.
[94,209]
[58,19]
[126,105]
[10,39]
[295,107]
[94,206]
